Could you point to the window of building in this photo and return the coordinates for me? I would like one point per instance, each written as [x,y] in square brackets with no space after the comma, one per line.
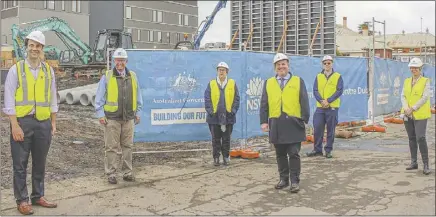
[150,35]
[14,3]
[159,37]
[178,36]
[160,16]
[45,4]
[139,35]
[75,6]
[154,16]
[186,23]
[63,5]
[180,19]
[168,37]
[128,12]
[51,5]
[129,30]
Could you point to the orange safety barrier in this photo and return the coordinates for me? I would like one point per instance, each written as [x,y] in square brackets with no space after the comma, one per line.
[433,111]
[358,123]
[344,124]
[249,154]
[236,153]
[389,120]
[373,128]
[311,139]
[397,121]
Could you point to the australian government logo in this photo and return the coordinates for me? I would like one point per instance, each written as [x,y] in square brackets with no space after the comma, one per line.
[182,86]
[254,94]
[397,84]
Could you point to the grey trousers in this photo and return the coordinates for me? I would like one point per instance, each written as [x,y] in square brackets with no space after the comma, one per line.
[118,139]
[289,167]
[37,139]
[416,130]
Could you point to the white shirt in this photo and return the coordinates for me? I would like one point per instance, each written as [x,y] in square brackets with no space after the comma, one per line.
[223,84]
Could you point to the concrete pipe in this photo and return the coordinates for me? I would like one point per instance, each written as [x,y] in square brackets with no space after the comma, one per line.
[93,100]
[63,93]
[86,97]
[73,97]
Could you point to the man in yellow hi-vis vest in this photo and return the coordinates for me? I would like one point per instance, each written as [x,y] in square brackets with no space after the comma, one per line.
[118,104]
[221,99]
[327,89]
[31,104]
[416,110]
[284,110]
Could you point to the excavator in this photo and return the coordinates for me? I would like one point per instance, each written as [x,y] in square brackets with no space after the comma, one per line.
[79,58]
[201,30]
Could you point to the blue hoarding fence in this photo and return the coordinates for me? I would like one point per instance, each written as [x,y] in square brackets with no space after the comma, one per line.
[173,84]
[389,78]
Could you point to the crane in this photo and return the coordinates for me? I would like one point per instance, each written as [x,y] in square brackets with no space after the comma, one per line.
[202,29]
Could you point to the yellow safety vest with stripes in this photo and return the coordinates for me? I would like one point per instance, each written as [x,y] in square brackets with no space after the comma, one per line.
[328,87]
[413,95]
[229,93]
[288,98]
[33,92]
[112,92]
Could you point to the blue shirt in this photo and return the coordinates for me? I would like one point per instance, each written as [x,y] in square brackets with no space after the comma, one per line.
[336,95]
[100,97]
[287,77]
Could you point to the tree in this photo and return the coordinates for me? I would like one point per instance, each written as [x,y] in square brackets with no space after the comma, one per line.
[338,53]
[362,26]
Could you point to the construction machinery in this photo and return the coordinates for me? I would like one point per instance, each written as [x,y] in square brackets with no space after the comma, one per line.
[201,30]
[79,58]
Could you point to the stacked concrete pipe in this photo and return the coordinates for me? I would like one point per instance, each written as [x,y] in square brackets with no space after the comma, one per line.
[63,93]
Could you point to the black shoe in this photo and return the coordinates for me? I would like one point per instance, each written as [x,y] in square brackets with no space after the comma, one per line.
[328,155]
[282,184]
[216,162]
[112,180]
[129,178]
[412,166]
[226,161]
[313,154]
[426,170]
[295,188]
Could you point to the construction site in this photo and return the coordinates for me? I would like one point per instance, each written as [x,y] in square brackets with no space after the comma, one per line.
[172,159]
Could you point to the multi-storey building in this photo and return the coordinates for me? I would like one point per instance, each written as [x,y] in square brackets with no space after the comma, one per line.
[267,20]
[153,24]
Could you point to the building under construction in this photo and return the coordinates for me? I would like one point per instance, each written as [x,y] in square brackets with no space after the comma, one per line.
[260,24]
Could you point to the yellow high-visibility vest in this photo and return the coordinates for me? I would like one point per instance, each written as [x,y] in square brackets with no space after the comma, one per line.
[33,92]
[327,88]
[288,98]
[112,92]
[413,94]
[229,94]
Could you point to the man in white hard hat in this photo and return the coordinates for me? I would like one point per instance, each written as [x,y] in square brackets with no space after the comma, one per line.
[416,110]
[118,105]
[221,99]
[284,111]
[327,89]
[30,102]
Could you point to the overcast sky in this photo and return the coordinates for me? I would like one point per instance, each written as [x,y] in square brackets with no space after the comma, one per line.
[399,15]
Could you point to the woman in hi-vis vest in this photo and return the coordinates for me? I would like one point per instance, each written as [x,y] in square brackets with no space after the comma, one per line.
[415,100]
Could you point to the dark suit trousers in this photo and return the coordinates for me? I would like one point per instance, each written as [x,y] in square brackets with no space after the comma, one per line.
[221,140]
[289,167]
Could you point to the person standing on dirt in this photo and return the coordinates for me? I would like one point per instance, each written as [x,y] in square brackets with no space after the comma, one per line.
[118,104]
[31,104]
[221,99]
[416,110]
[327,89]
[284,110]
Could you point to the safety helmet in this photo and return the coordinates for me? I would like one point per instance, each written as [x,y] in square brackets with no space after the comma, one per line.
[415,62]
[36,36]
[222,64]
[327,57]
[279,57]
[120,53]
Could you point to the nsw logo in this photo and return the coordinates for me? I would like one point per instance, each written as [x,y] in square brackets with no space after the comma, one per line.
[254,94]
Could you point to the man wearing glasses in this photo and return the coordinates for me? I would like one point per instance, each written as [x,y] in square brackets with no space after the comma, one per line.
[327,89]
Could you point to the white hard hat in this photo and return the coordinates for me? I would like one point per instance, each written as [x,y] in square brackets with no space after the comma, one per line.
[279,57]
[36,36]
[415,62]
[223,64]
[327,57]
[120,53]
